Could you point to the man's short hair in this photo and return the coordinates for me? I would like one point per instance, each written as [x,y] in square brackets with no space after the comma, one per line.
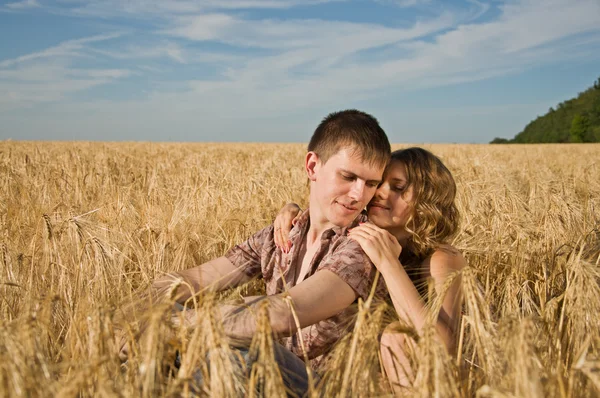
[351,129]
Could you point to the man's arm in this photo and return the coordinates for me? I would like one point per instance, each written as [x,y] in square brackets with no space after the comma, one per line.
[215,275]
[319,297]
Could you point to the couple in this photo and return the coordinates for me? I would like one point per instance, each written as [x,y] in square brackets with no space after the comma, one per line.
[327,262]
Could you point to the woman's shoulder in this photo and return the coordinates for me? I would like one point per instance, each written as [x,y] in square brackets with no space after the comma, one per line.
[446,259]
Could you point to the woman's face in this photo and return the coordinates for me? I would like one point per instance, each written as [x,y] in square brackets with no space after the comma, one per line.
[391,205]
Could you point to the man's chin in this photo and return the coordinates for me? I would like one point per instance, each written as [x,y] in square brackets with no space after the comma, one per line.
[344,221]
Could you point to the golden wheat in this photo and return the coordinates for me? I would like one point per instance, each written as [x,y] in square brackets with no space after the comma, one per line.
[86,226]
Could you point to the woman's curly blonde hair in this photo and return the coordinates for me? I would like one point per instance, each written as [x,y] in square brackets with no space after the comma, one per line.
[434,216]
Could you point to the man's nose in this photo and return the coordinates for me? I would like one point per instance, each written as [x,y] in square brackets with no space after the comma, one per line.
[357,191]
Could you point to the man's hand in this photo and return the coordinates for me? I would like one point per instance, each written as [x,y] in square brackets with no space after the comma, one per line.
[213,276]
[187,318]
[317,298]
[122,345]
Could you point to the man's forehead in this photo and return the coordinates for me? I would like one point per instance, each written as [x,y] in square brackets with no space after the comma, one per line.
[351,153]
[350,150]
[353,162]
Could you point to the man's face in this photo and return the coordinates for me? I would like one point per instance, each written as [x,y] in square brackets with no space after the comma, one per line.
[342,186]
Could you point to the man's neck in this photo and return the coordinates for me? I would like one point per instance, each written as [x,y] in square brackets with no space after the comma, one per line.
[318,223]
[315,230]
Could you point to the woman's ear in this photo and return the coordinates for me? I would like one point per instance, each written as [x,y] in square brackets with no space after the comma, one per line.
[312,164]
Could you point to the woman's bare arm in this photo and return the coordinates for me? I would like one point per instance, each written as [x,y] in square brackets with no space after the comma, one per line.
[384,250]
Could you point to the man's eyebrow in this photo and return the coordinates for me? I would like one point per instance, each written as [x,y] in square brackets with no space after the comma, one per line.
[351,174]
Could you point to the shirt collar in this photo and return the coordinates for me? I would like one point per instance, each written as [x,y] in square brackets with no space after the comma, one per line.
[303,224]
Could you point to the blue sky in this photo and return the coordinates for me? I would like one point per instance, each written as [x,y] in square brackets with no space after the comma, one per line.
[270,70]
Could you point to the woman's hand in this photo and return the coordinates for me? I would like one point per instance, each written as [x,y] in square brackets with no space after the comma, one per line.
[285,220]
[381,246]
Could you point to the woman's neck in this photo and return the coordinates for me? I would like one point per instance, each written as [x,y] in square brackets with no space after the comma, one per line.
[402,237]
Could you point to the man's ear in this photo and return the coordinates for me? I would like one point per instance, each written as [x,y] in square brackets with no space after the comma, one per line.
[312,164]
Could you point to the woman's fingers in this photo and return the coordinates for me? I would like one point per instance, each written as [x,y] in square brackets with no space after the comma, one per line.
[285,220]
[374,229]
[295,220]
[278,238]
[281,224]
[364,235]
[358,237]
[369,244]
[367,229]
[380,233]
[282,233]
[376,242]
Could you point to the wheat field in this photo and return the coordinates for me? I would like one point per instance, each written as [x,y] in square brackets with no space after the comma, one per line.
[85,227]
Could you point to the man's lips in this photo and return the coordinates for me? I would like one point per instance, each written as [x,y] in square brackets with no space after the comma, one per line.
[347,207]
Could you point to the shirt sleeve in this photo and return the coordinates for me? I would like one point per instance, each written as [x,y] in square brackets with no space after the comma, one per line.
[248,255]
[349,262]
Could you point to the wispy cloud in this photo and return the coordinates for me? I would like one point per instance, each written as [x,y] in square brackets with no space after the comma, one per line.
[137,52]
[294,34]
[21,5]
[316,63]
[405,3]
[167,8]
[49,74]
[233,57]
[69,48]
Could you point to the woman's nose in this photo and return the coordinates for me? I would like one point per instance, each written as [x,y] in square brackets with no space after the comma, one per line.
[382,191]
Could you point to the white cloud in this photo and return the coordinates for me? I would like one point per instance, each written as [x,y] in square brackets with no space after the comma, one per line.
[168,8]
[272,66]
[50,82]
[136,52]
[405,3]
[69,48]
[293,34]
[317,62]
[203,27]
[20,5]
[49,75]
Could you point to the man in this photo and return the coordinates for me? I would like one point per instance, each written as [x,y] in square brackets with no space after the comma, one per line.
[323,272]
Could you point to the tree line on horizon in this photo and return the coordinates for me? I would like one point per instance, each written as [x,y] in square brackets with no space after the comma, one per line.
[576,120]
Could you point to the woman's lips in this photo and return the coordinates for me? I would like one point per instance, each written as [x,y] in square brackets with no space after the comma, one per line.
[378,206]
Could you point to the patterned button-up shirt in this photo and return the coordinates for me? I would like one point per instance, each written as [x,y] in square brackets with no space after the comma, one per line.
[259,256]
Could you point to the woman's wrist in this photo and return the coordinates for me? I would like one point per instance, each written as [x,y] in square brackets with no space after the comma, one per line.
[389,265]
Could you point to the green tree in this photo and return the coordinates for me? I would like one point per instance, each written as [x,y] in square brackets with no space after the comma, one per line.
[596,133]
[499,140]
[579,128]
[572,120]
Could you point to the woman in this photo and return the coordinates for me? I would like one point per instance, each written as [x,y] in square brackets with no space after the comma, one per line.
[411,217]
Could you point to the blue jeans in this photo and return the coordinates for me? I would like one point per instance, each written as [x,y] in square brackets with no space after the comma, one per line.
[292,368]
